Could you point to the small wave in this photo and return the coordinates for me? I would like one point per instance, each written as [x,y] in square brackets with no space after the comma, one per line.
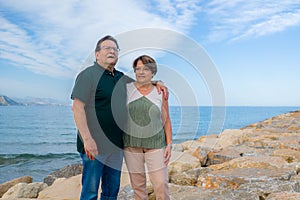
[37,143]
[52,143]
[8,159]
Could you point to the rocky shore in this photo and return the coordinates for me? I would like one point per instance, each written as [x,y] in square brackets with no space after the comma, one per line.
[258,162]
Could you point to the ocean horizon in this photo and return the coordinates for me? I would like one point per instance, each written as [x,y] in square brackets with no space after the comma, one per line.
[38,140]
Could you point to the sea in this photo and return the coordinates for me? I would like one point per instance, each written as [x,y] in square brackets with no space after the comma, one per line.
[38,140]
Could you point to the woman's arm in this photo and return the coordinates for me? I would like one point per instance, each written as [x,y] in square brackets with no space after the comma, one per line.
[168,129]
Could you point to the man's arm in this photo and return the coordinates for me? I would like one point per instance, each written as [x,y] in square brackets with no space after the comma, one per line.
[90,145]
[161,88]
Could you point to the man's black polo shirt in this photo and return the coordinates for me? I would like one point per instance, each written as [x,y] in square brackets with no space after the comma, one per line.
[104,95]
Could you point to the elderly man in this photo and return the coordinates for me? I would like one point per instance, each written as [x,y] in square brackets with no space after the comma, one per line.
[99,107]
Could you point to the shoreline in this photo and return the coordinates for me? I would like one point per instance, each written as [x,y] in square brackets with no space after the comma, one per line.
[258,161]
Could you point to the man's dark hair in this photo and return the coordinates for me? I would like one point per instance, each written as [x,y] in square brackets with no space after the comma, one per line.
[108,37]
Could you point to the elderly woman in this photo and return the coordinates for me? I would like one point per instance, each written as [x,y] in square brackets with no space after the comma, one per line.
[149,135]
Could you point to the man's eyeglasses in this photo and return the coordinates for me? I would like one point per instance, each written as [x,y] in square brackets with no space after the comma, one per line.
[107,48]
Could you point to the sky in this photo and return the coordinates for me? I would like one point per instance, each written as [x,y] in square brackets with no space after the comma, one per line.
[233,53]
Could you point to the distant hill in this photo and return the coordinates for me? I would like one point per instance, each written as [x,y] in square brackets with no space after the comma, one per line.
[6,101]
[39,101]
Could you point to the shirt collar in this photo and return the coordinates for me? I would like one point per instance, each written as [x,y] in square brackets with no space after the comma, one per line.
[105,70]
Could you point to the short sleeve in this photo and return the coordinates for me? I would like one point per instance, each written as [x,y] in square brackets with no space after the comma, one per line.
[82,88]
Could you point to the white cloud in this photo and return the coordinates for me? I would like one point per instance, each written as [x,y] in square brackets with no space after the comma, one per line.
[239,19]
[54,38]
[178,12]
[276,23]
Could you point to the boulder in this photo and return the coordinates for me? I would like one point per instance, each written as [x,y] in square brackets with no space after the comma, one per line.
[66,172]
[63,188]
[234,178]
[25,190]
[265,188]
[273,140]
[179,192]
[284,195]
[230,137]
[188,177]
[4,187]
[181,162]
[190,145]
[257,162]
[177,147]
[201,154]
[289,155]
[230,153]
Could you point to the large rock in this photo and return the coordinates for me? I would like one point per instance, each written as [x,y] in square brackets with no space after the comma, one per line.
[265,188]
[63,188]
[190,145]
[230,153]
[273,140]
[25,190]
[191,193]
[182,161]
[262,162]
[234,173]
[288,122]
[202,155]
[233,178]
[188,177]
[284,195]
[4,187]
[288,154]
[230,137]
[66,172]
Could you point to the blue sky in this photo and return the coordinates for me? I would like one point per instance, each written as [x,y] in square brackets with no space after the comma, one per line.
[254,46]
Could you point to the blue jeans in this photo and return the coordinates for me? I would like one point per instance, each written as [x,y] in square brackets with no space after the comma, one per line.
[105,167]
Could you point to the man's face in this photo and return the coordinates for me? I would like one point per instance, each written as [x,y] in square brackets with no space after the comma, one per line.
[108,55]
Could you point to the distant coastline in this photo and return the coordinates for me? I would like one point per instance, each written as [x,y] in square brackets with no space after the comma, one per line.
[6,101]
[9,101]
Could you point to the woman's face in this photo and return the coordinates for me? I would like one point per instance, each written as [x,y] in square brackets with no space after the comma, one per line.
[143,74]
